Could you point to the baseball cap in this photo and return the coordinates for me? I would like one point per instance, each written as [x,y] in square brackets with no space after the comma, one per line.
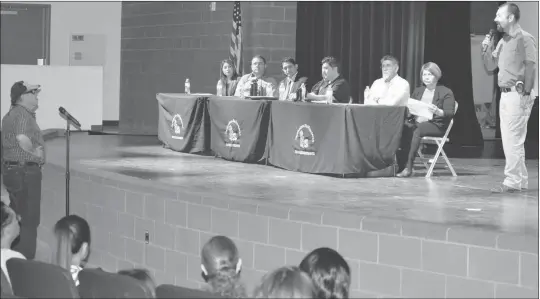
[20,88]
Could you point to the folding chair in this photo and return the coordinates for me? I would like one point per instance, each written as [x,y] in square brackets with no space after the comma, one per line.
[439,141]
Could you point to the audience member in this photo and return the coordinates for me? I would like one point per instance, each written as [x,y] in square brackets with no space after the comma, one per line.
[10,230]
[285,282]
[391,89]
[221,266]
[143,276]
[228,77]
[329,271]
[73,237]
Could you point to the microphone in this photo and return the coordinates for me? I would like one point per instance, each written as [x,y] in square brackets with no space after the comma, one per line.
[491,34]
[69,118]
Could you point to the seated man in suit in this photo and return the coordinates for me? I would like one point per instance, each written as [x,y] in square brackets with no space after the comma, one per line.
[333,88]
[289,87]
[391,89]
[266,85]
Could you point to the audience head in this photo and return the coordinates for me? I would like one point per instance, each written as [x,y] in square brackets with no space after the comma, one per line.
[258,65]
[507,14]
[331,68]
[329,271]
[221,265]
[430,74]
[73,236]
[389,67]
[10,228]
[289,66]
[143,276]
[227,70]
[25,93]
[285,282]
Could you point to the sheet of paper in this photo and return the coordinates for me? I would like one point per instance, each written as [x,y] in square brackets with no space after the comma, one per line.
[419,108]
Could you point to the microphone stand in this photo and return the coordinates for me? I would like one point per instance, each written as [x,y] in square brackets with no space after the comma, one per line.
[68,126]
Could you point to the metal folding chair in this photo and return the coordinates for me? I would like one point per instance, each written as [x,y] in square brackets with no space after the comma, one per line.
[439,141]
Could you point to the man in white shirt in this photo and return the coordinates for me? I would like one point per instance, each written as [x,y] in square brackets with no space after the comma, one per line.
[391,89]
[266,85]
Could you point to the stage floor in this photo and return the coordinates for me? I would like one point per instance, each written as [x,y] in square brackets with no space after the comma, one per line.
[465,200]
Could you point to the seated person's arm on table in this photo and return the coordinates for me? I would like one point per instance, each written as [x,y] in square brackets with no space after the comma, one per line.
[313,95]
[271,90]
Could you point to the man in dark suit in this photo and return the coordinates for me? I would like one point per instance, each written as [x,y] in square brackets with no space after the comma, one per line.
[289,87]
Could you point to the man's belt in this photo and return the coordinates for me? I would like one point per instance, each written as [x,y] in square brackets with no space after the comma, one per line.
[15,163]
[518,87]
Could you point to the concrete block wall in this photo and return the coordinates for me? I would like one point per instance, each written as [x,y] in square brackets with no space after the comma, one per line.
[387,258]
[163,43]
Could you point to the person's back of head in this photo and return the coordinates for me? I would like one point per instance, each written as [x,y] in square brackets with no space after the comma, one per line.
[329,271]
[221,265]
[73,237]
[285,282]
[143,276]
[10,228]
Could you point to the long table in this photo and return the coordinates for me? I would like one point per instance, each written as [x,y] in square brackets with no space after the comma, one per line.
[306,137]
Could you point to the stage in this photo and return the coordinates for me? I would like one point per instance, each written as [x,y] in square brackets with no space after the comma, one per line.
[416,237]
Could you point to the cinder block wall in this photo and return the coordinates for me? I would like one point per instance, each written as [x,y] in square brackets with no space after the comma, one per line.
[163,43]
[387,258]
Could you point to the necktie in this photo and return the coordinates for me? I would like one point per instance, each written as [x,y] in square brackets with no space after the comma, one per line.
[288,89]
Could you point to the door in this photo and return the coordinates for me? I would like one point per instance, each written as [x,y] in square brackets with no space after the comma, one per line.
[25,33]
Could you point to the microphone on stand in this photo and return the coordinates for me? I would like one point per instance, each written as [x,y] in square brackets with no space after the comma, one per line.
[69,118]
[491,34]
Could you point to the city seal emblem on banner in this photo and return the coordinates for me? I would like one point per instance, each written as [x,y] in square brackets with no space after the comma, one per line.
[177,127]
[304,141]
[232,134]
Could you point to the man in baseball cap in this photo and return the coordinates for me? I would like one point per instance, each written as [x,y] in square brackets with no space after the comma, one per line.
[23,154]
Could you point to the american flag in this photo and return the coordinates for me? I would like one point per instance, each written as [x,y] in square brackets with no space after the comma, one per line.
[236,38]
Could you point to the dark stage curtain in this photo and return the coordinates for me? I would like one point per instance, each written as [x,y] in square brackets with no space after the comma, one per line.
[360,34]
[448,43]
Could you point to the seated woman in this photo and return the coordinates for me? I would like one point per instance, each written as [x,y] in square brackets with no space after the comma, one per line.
[143,276]
[10,230]
[73,237]
[221,265]
[228,79]
[285,282]
[329,271]
[442,103]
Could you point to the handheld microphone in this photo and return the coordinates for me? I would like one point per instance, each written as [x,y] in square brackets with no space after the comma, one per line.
[69,118]
[491,34]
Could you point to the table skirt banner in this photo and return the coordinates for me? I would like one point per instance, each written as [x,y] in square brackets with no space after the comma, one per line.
[307,137]
[334,139]
[373,136]
[183,122]
[239,128]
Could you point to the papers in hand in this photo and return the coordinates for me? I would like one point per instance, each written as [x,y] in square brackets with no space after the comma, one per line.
[419,108]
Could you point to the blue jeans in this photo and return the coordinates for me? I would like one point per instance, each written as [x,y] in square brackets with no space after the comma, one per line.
[23,184]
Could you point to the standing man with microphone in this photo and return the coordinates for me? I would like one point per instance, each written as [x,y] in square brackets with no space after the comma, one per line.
[515,56]
[23,155]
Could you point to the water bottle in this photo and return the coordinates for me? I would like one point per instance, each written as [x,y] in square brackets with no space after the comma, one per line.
[219,88]
[329,94]
[187,87]
[303,95]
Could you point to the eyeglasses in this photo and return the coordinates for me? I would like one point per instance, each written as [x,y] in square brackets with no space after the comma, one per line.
[387,66]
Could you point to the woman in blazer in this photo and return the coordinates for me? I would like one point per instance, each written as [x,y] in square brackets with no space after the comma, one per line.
[442,102]
[228,77]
